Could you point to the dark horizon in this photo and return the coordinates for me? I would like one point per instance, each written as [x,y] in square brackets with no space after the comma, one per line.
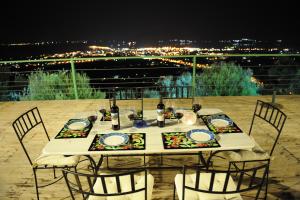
[148,21]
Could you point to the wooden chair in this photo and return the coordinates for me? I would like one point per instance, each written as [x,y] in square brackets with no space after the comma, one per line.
[134,185]
[23,126]
[211,184]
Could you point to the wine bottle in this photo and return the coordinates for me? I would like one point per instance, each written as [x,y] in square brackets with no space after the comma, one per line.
[160,113]
[115,119]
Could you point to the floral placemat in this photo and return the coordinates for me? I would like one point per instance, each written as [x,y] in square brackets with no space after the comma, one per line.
[67,133]
[139,115]
[106,116]
[137,141]
[228,129]
[179,140]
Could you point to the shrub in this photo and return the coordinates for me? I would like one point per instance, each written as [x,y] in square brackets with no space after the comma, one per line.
[226,79]
[4,78]
[55,86]
[151,93]
[170,83]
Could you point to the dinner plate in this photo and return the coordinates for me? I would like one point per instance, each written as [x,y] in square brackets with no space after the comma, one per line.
[114,139]
[77,124]
[220,121]
[200,135]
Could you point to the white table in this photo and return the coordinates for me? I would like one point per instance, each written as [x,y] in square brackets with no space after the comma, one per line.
[154,143]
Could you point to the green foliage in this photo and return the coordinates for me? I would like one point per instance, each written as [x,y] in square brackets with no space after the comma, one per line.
[127,94]
[4,78]
[226,79]
[170,83]
[289,77]
[58,86]
[295,83]
[168,86]
[185,82]
[151,93]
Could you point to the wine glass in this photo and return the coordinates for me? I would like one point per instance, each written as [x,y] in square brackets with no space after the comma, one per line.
[92,116]
[133,113]
[102,110]
[178,115]
[170,109]
[196,107]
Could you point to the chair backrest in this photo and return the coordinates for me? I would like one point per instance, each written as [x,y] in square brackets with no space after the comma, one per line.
[226,182]
[271,115]
[88,184]
[25,123]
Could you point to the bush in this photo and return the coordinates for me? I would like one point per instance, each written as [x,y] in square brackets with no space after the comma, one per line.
[295,84]
[55,86]
[4,79]
[226,79]
[151,93]
[182,83]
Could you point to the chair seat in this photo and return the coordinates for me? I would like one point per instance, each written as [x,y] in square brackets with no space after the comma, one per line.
[57,161]
[256,153]
[125,187]
[190,180]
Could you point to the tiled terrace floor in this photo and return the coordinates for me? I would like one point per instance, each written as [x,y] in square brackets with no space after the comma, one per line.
[16,179]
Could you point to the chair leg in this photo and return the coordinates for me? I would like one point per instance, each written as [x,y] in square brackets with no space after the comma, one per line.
[36,183]
[174,191]
[75,170]
[92,166]
[107,162]
[266,187]
[54,174]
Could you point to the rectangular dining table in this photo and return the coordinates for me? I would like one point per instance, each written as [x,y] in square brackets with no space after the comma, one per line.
[153,139]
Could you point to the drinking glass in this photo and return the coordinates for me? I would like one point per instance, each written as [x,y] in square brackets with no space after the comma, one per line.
[178,115]
[102,111]
[92,116]
[196,106]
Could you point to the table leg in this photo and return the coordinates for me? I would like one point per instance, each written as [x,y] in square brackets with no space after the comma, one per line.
[95,166]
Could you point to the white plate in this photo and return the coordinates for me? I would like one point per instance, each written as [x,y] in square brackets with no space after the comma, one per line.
[114,139]
[200,135]
[77,124]
[220,122]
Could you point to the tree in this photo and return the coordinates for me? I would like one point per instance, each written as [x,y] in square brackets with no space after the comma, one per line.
[225,79]
[295,83]
[54,86]
[184,82]
[4,79]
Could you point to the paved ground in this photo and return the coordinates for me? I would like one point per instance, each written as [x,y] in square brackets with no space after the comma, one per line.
[16,179]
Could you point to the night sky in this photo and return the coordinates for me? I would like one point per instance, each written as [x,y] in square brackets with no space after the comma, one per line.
[146,21]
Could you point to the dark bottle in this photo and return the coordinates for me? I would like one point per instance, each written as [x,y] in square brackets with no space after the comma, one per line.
[160,113]
[115,119]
